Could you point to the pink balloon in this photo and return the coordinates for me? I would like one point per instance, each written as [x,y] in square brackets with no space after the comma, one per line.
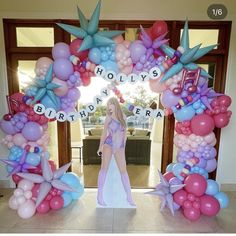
[202,124]
[118,39]
[180,197]
[209,205]
[43,207]
[168,176]
[195,184]
[42,63]
[25,184]
[12,203]
[221,120]
[225,100]
[156,86]
[63,89]
[192,214]
[27,209]
[56,202]
[18,139]
[16,178]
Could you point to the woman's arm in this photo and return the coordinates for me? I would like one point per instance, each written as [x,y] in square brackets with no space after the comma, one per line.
[104,132]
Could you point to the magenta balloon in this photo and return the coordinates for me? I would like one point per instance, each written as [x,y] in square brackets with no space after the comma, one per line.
[192,214]
[137,49]
[202,124]
[43,207]
[221,120]
[211,165]
[195,184]
[32,131]
[168,99]
[225,100]
[63,68]
[56,202]
[180,196]
[73,94]
[7,127]
[209,205]
[60,50]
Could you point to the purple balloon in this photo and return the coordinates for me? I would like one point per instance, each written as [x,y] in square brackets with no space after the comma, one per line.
[211,165]
[212,153]
[7,127]
[32,131]
[175,181]
[62,68]
[73,94]
[137,49]
[202,163]
[168,99]
[60,50]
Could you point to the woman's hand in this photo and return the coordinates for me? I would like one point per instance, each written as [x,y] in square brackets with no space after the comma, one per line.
[99,152]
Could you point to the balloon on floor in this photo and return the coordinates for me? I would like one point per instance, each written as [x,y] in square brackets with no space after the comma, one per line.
[53,95]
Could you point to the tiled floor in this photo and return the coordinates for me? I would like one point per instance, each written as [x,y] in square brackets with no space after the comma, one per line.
[83,217]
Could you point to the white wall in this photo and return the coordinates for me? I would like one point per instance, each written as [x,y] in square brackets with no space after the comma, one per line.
[135,10]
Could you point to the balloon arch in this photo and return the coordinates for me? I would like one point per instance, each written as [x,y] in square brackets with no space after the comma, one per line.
[54,92]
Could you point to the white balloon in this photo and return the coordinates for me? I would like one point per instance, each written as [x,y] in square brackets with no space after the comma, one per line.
[28,194]
[18,192]
[20,200]
[12,203]
[27,209]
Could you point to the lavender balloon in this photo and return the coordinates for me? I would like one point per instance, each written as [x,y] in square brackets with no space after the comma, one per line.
[60,50]
[73,94]
[32,131]
[7,127]
[168,99]
[137,49]
[62,68]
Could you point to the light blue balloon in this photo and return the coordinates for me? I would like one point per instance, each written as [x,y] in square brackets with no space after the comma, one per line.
[212,187]
[12,157]
[9,168]
[48,103]
[185,113]
[104,56]
[223,199]
[67,199]
[71,179]
[77,195]
[177,169]
[33,159]
[95,55]
[170,167]
[110,65]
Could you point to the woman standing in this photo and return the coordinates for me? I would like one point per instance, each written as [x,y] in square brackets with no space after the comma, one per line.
[113,142]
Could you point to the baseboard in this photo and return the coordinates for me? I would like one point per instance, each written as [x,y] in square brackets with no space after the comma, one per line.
[228,187]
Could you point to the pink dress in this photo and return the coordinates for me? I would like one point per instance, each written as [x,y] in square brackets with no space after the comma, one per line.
[116,135]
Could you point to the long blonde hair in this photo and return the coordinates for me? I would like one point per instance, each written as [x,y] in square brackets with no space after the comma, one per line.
[118,112]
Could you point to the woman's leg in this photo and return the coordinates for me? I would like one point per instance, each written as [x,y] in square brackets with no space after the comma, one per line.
[121,163]
[106,158]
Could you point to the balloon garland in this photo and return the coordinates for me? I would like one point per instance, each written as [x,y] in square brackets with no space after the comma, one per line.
[172,72]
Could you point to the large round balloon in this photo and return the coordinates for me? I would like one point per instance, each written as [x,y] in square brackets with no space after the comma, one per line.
[7,127]
[202,124]
[63,68]
[32,131]
[209,205]
[192,213]
[60,50]
[195,184]
[221,120]
[137,49]
[223,199]
[27,209]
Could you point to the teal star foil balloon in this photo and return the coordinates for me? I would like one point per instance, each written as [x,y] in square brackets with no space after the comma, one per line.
[46,87]
[89,31]
[188,55]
